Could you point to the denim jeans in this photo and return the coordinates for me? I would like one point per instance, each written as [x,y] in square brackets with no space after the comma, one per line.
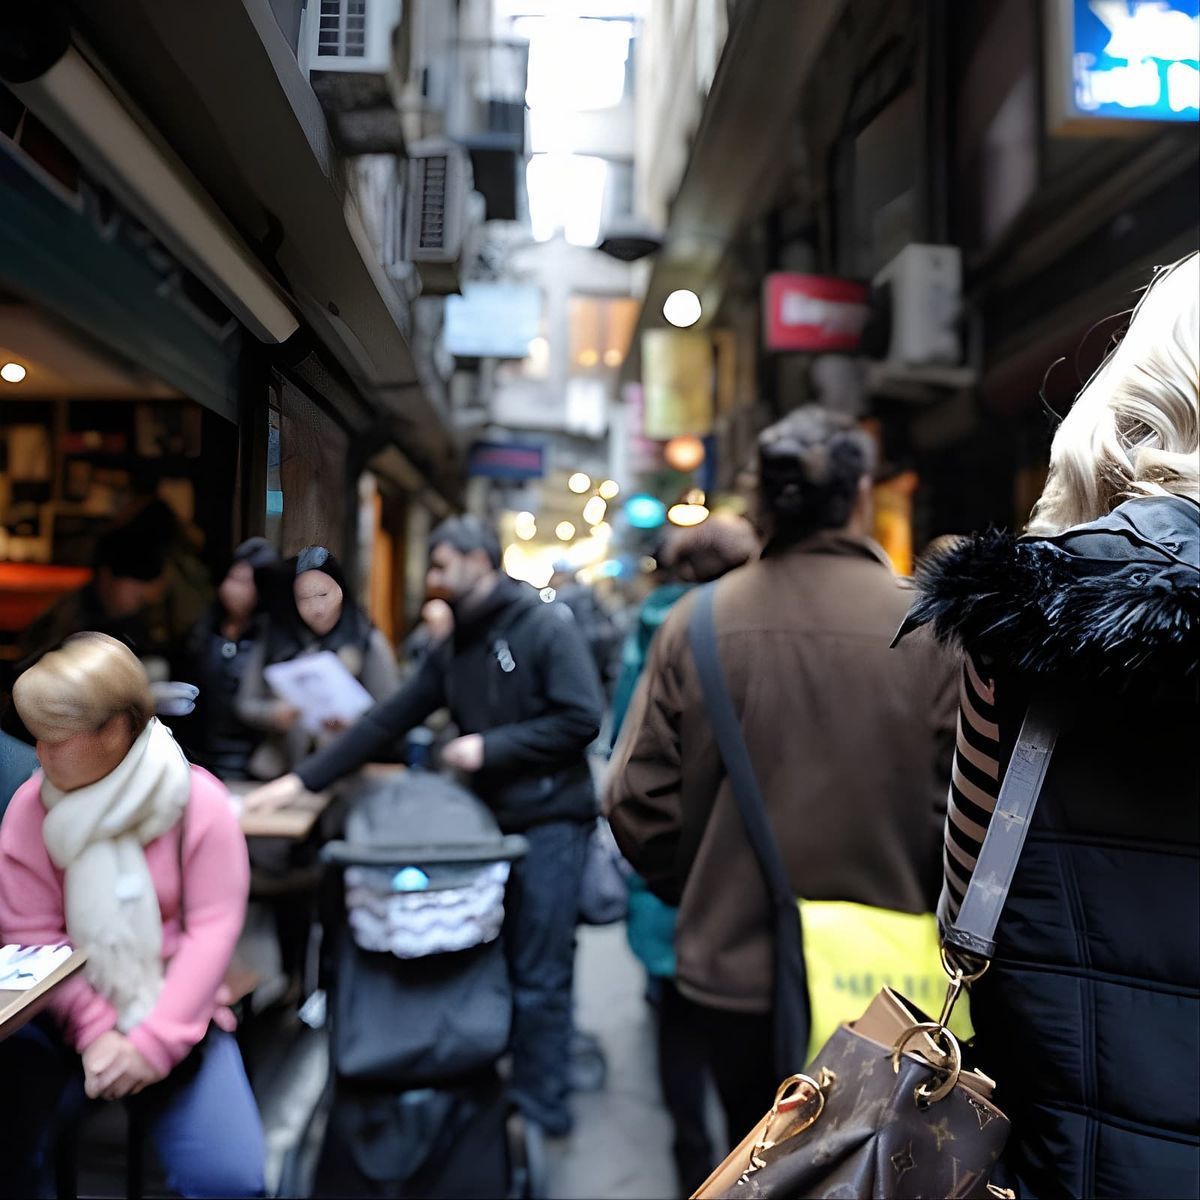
[541,909]
[202,1118]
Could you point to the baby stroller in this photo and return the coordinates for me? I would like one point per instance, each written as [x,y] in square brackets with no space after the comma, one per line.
[420,1005]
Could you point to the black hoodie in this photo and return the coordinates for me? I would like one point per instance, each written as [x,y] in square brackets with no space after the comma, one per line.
[518,671]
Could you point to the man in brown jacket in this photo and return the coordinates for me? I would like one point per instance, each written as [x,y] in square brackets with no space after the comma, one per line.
[851,743]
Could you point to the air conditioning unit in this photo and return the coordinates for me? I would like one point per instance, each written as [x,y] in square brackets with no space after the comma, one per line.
[349,35]
[441,210]
[923,286]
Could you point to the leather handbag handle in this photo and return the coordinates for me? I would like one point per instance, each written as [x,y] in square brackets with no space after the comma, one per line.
[791,982]
[974,929]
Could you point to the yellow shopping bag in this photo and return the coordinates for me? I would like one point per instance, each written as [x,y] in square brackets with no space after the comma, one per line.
[853,950]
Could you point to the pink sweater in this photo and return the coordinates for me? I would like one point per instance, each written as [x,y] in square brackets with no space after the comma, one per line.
[217,869]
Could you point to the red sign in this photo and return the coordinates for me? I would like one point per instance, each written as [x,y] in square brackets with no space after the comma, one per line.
[813,312]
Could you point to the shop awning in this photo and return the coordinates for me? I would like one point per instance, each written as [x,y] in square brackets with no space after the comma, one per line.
[224,90]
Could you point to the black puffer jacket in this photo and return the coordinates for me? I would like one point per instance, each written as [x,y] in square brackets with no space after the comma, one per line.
[518,672]
[1090,1015]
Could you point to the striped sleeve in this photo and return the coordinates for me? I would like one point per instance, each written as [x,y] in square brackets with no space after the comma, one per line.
[974,786]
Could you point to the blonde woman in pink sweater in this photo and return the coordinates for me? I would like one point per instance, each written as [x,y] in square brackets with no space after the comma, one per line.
[121,848]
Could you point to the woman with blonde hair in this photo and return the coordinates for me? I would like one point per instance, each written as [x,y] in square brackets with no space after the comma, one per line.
[1089,1015]
[121,848]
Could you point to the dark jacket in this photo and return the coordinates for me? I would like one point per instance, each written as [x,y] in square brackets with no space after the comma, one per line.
[214,735]
[518,672]
[1089,1017]
[851,743]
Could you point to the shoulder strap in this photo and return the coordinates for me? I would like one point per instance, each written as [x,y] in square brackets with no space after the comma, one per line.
[791,986]
[974,929]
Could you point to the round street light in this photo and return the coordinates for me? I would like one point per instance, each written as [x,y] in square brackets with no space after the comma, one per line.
[682,308]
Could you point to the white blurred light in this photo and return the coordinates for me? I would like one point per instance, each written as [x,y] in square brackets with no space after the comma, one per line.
[612,358]
[566,191]
[538,356]
[610,489]
[525,526]
[687,515]
[564,531]
[682,308]
[12,372]
[579,483]
[594,511]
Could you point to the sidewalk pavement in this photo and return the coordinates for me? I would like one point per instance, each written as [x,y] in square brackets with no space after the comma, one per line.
[621,1145]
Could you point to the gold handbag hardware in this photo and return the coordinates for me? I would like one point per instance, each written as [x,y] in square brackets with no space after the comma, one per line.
[788,1096]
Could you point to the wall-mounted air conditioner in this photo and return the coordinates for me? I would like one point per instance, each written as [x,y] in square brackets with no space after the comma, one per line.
[349,35]
[441,211]
[924,296]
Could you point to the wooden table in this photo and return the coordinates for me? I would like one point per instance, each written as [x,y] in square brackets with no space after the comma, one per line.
[294,822]
[17,1008]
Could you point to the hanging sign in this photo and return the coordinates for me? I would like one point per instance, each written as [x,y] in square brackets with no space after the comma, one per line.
[677,384]
[813,313]
[1117,62]
[506,460]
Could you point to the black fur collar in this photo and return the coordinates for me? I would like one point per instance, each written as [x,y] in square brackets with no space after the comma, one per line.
[1116,601]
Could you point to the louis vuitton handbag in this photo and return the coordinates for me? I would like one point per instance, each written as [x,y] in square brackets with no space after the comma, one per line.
[890,1106]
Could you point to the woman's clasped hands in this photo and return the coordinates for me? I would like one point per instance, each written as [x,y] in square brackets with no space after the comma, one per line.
[114,1067]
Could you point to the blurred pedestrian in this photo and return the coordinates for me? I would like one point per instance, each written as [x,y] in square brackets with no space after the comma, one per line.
[522,689]
[313,611]
[435,626]
[691,556]
[121,848]
[851,744]
[1096,611]
[594,620]
[127,578]
[216,657]
[688,556]
[17,762]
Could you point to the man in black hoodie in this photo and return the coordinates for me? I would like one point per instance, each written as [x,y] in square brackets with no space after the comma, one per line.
[522,688]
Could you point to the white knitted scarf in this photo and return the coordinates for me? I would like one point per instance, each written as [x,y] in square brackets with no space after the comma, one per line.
[95,835]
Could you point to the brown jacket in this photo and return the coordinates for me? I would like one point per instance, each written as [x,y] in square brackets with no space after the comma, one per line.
[851,742]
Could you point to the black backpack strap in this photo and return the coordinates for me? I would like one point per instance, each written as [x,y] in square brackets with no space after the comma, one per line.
[974,929]
[791,985]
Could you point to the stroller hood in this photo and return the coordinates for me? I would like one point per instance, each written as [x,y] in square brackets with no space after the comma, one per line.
[420,818]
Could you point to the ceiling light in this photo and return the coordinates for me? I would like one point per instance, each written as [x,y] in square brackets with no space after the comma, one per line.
[682,308]
[612,358]
[610,489]
[588,358]
[594,511]
[580,483]
[564,531]
[12,372]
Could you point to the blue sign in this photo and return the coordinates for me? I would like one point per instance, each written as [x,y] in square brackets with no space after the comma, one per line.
[514,461]
[492,320]
[1136,59]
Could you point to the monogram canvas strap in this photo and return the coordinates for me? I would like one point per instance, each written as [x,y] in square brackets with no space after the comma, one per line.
[974,929]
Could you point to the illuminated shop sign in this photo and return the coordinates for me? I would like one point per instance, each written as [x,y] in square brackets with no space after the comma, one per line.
[1124,60]
[813,313]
